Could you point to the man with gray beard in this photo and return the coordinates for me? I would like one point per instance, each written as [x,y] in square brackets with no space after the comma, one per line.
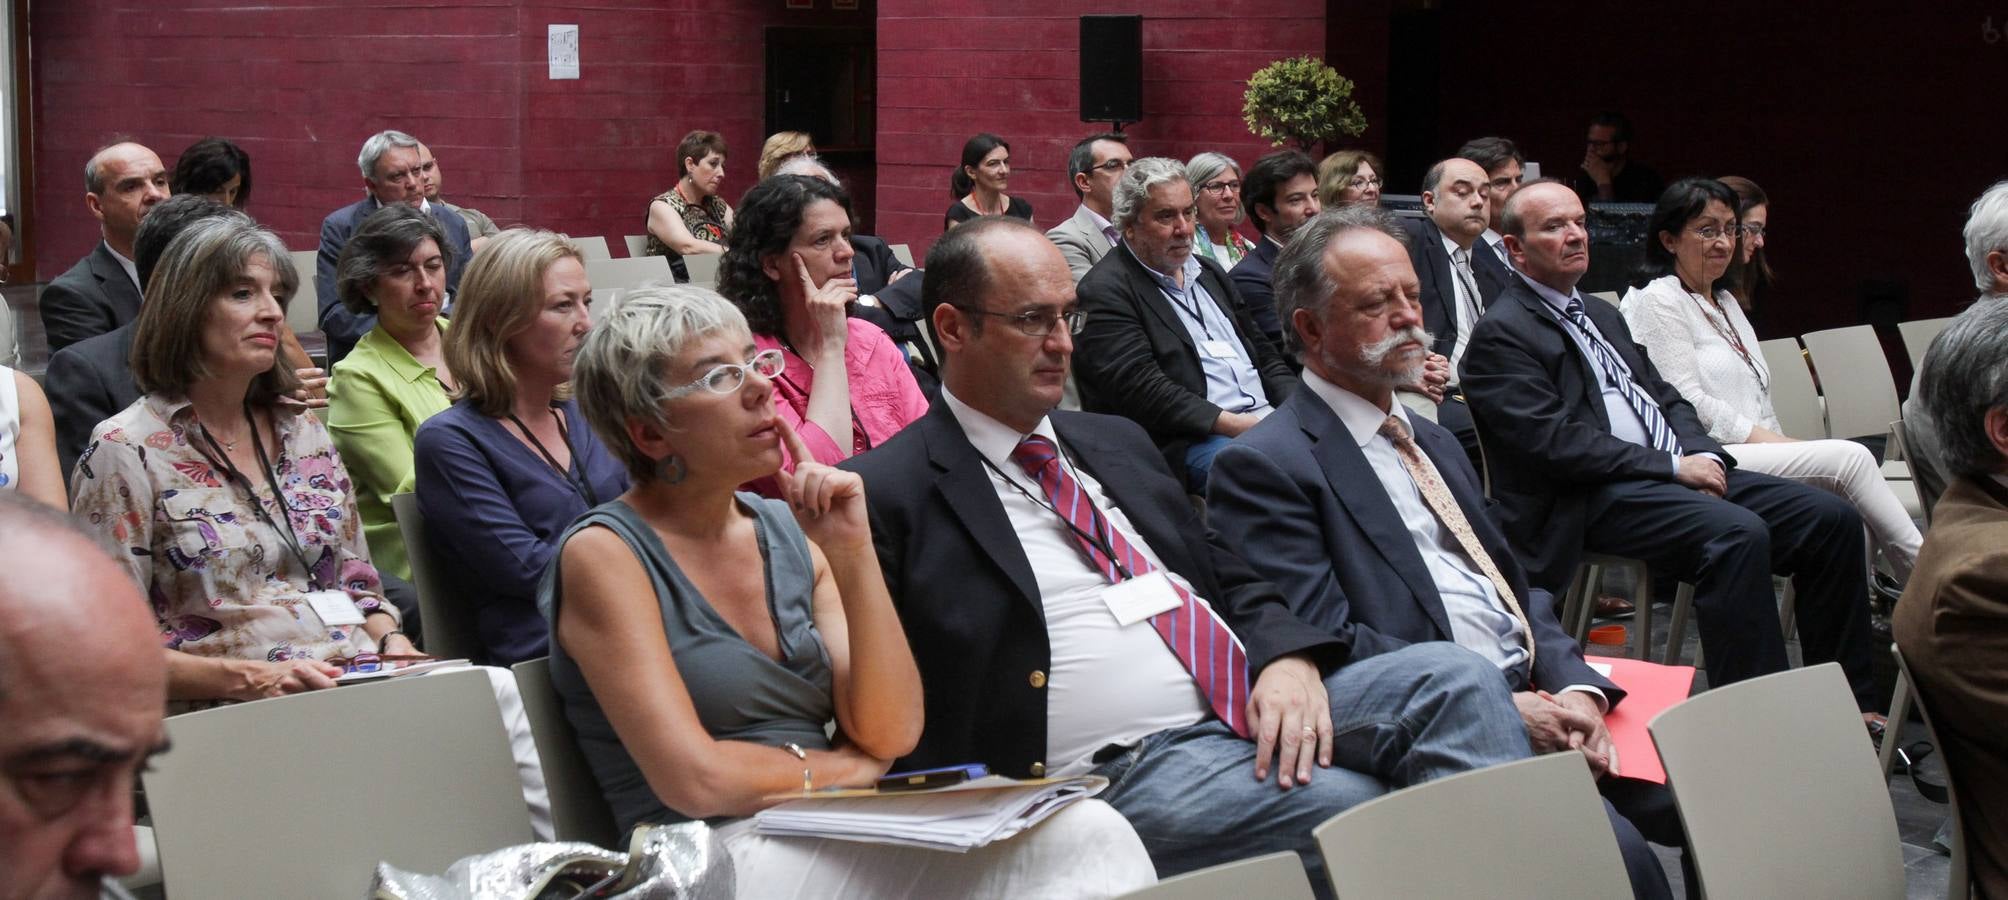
[1372,522]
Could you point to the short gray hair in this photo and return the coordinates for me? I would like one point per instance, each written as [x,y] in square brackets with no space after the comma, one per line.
[1965,375]
[1301,280]
[804,164]
[94,170]
[1207,166]
[618,373]
[379,144]
[1138,180]
[1986,232]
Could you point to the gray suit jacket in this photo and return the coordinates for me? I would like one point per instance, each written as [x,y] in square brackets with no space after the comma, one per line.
[92,298]
[1081,241]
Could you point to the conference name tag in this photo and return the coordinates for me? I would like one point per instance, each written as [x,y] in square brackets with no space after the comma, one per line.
[1221,349]
[335,607]
[1140,598]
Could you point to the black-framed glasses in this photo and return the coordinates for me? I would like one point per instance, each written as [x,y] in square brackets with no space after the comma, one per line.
[1113,167]
[1221,187]
[729,377]
[1036,322]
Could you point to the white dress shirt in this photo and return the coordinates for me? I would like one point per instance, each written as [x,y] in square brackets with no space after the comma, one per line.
[1465,306]
[1688,340]
[1107,683]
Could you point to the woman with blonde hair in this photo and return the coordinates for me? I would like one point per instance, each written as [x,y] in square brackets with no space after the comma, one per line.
[1349,176]
[783,146]
[502,472]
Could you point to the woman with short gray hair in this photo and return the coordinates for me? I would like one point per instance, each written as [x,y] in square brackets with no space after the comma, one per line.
[1216,185]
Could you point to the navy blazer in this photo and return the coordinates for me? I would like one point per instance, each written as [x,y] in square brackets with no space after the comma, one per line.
[1537,401]
[1251,277]
[89,381]
[94,297]
[1439,285]
[345,328]
[970,603]
[1298,489]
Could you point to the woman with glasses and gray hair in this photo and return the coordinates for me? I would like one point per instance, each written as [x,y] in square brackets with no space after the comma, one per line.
[393,268]
[1216,185]
[1697,335]
[704,636]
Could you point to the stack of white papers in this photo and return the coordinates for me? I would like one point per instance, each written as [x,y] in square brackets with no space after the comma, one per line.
[956,818]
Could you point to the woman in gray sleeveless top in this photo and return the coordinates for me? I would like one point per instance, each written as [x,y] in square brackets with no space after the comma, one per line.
[702,637]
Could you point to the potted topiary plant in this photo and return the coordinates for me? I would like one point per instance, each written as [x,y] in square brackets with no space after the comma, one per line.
[1302,101]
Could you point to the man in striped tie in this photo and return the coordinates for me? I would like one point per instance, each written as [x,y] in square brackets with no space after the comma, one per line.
[1590,449]
[1070,612]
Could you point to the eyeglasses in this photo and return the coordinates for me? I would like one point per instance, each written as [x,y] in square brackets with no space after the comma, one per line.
[1752,229]
[1710,232]
[727,378]
[1038,322]
[1221,187]
[374,662]
[1112,166]
[1365,181]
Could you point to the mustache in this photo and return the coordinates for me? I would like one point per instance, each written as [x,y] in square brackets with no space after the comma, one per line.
[1377,352]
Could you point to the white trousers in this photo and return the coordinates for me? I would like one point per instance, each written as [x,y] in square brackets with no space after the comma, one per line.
[529,767]
[1847,469]
[1087,850]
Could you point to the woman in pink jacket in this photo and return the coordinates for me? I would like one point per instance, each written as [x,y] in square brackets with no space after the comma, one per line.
[846,387]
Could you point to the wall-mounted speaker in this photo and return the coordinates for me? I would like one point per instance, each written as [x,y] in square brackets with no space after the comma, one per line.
[1111,69]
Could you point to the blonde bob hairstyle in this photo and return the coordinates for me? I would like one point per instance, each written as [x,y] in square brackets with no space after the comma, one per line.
[197,268]
[501,293]
[621,370]
[782,146]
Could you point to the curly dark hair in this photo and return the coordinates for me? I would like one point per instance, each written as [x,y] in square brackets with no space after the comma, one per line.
[765,224]
[210,163]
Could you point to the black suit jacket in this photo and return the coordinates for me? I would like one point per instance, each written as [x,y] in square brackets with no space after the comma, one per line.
[92,298]
[1251,277]
[345,328]
[1298,489]
[971,604]
[1538,403]
[1134,357]
[1493,271]
[89,381]
[1439,283]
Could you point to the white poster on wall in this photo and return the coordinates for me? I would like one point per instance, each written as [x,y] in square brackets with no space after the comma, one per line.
[564,51]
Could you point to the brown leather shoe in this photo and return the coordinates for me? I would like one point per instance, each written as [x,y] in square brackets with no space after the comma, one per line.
[1609,607]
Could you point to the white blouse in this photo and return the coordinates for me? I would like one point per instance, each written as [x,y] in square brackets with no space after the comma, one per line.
[1693,343]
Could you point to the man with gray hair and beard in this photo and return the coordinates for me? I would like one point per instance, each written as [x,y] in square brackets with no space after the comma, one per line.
[1372,522]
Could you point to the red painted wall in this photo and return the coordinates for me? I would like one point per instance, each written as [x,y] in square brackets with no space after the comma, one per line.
[951,68]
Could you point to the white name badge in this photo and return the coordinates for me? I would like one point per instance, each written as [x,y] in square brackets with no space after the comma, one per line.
[335,607]
[1221,349]
[1140,598]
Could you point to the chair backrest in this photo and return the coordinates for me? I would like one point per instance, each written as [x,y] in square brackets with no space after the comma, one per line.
[1793,396]
[1533,828]
[605,301]
[302,796]
[1855,380]
[1917,336]
[592,248]
[637,244]
[445,618]
[623,274]
[1779,791]
[1610,297]
[579,810]
[1957,886]
[703,267]
[903,253]
[1925,477]
[1274,876]
[303,312]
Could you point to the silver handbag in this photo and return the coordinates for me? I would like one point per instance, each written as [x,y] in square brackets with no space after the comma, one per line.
[664,862]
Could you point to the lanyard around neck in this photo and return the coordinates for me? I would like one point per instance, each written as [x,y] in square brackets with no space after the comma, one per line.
[580,484]
[283,527]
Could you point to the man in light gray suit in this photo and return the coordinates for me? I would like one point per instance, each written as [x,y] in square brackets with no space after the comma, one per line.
[1094,166]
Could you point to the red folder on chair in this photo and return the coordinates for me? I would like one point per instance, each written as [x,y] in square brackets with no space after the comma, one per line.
[1649,688]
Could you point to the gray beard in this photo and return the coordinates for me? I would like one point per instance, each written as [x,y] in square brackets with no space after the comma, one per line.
[1374,355]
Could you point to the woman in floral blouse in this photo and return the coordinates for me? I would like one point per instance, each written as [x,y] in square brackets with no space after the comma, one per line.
[232,507]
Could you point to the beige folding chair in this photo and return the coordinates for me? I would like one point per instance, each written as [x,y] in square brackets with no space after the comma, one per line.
[592,248]
[1958,886]
[703,268]
[1917,337]
[1276,876]
[579,811]
[446,620]
[1793,396]
[302,796]
[637,245]
[1855,380]
[903,253]
[303,312]
[625,274]
[1610,297]
[1530,829]
[1778,792]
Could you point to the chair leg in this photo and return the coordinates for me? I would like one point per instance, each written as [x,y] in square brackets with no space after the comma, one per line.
[1586,601]
[1642,620]
[1899,710]
[1676,628]
[1785,603]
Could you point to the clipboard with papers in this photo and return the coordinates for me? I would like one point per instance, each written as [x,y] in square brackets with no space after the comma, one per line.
[956,818]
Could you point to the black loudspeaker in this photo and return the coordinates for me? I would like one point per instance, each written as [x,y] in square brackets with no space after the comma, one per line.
[1112,69]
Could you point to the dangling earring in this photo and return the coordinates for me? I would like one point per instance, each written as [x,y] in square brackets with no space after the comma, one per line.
[671,470]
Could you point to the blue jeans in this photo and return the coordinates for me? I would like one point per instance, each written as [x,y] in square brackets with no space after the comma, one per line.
[1398,719]
[1199,461]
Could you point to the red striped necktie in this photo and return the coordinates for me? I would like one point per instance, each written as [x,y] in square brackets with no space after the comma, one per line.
[1193,631]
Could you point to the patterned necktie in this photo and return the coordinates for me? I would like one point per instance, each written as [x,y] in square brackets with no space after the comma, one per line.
[1656,428]
[1211,652]
[1461,262]
[1437,495]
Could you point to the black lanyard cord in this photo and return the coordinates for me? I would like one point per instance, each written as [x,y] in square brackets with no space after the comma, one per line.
[285,533]
[1101,541]
[580,484]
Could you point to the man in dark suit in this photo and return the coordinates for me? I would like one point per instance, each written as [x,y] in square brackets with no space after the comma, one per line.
[395,169]
[1372,523]
[122,182]
[1280,193]
[1591,449]
[1504,169]
[1454,295]
[1166,342]
[1028,551]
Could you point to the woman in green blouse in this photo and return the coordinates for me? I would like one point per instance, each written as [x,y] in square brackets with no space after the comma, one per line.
[396,378]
